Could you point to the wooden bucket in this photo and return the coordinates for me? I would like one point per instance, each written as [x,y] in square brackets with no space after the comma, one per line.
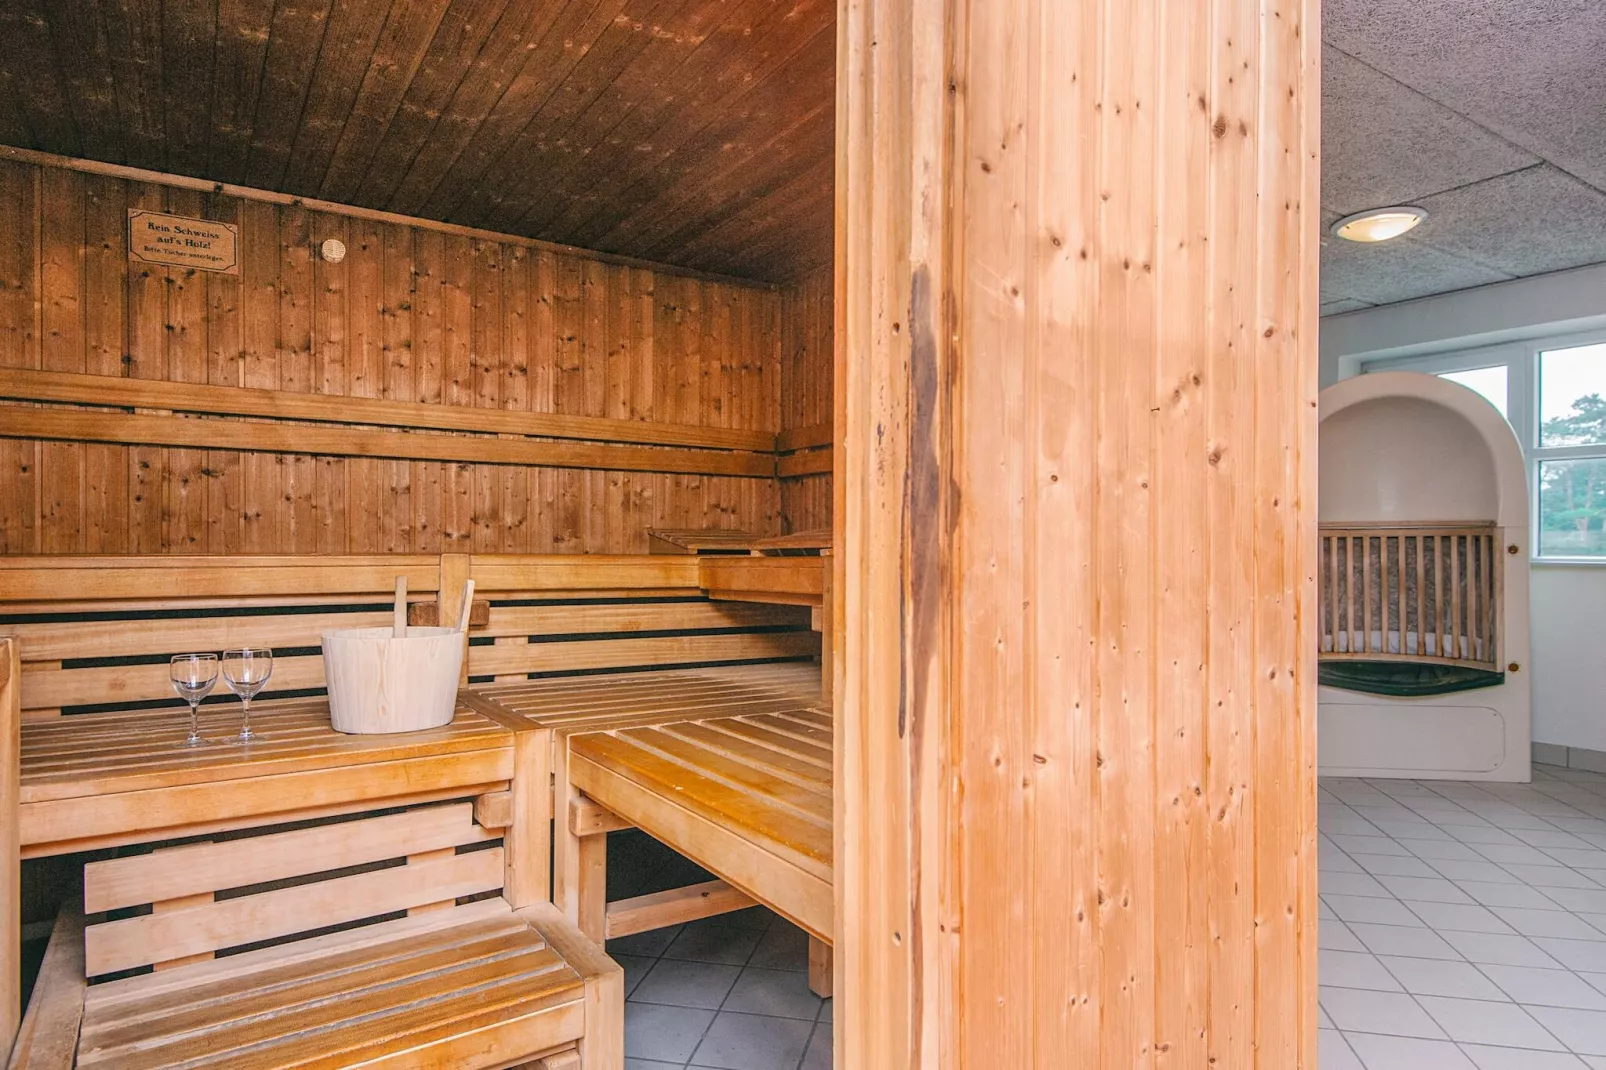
[381,683]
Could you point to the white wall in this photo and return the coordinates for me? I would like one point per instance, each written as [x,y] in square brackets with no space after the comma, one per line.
[1568,602]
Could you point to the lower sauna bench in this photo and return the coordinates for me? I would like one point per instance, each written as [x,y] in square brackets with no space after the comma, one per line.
[454,978]
[747,797]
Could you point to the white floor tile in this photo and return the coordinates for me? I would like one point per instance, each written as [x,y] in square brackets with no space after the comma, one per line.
[1394,866]
[1447,850]
[1400,1053]
[1459,917]
[1394,1013]
[1424,889]
[1353,884]
[1410,943]
[1436,977]
[1547,988]
[1362,908]
[1368,845]
[1333,1052]
[1556,923]
[1557,877]
[1516,1059]
[1582,1031]
[1343,969]
[1472,1021]
[1507,895]
[1578,859]
[1480,869]
[1499,949]
[1334,935]
[1585,956]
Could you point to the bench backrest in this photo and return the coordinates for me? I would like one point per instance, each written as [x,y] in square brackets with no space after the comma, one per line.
[266,884]
[97,632]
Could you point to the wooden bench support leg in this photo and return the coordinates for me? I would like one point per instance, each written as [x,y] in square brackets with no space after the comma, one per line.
[48,1039]
[603,1046]
[529,838]
[820,966]
[593,890]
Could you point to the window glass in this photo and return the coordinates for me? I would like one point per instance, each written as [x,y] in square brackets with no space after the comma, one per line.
[1490,382]
[1572,396]
[1572,507]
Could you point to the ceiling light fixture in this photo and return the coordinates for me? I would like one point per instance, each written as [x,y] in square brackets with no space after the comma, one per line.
[1378,224]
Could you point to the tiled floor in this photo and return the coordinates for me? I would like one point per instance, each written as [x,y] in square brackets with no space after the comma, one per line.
[1464,925]
[729,992]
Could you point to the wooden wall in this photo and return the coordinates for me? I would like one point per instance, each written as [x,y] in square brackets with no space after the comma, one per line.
[1076,535]
[807,358]
[414,314]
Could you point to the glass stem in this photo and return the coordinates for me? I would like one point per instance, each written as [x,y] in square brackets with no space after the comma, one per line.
[245,731]
[195,722]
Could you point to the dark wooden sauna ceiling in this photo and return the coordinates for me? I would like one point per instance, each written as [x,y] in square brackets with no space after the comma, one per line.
[692,132]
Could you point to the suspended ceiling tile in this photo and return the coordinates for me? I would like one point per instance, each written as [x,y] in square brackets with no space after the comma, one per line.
[1531,70]
[1397,271]
[1343,304]
[1525,223]
[1384,143]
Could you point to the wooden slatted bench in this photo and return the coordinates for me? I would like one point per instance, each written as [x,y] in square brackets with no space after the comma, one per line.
[387,947]
[562,707]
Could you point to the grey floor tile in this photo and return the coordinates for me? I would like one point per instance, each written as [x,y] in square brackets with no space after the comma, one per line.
[1353,884]
[1434,851]
[785,993]
[669,1034]
[1334,935]
[649,1064]
[1424,889]
[1578,859]
[1394,866]
[1591,900]
[818,1057]
[707,941]
[650,944]
[1403,1053]
[825,1011]
[1362,908]
[1369,845]
[753,1042]
[1480,869]
[1471,1021]
[785,947]
[1556,877]
[1508,895]
[685,983]
[1484,834]
[1436,977]
[635,967]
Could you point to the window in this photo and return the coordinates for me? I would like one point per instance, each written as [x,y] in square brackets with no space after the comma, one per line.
[1553,392]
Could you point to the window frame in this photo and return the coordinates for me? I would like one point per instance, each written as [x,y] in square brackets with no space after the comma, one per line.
[1521,360]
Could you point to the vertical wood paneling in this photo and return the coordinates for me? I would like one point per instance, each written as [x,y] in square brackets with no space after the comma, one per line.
[412,314]
[807,341]
[1076,530]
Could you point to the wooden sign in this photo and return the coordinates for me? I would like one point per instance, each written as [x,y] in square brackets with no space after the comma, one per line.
[179,241]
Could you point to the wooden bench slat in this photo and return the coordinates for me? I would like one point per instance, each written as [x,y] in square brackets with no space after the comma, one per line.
[58,640]
[638,617]
[738,810]
[777,761]
[130,942]
[212,867]
[337,1027]
[745,729]
[767,789]
[629,653]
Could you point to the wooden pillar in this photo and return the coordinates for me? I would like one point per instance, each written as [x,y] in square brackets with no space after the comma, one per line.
[10,841]
[1075,532]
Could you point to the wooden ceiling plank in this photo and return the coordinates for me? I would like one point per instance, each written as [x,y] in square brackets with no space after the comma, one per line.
[527,95]
[452,50]
[134,37]
[78,31]
[400,50]
[42,92]
[663,103]
[297,34]
[547,38]
[189,53]
[731,86]
[241,52]
[499,194]
[785,254]
[785,193]
[677,212]
[347,53]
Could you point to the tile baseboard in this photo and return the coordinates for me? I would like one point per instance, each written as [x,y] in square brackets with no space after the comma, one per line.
[1570,757]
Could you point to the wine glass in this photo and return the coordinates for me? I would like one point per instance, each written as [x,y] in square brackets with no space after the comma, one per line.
[193,676]
[246,671]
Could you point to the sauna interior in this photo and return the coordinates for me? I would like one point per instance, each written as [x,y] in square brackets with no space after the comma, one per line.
[642,534]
